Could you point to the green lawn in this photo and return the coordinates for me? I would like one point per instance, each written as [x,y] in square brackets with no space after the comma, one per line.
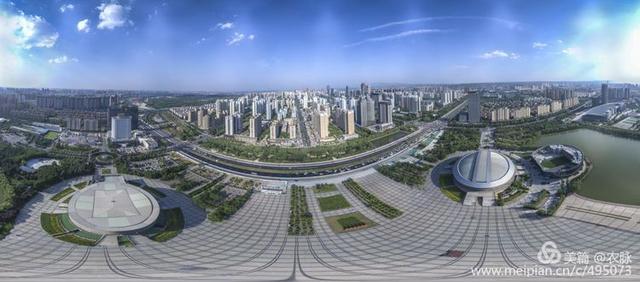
[449,189]
[453,193]
[51,135]
[60,227]
[555,162]
[171,223]
[81,185]
[331,203]
[349,222]
[124,241]
[323,188]
[445,180]
[62,194]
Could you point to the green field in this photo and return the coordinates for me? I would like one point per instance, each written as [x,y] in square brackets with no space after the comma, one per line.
[349,222]
[81,185]
[324,188]
[449,189]
[408,173]
[51,135]
[7,193]
[62,194]
[61,227]
[453,193]
[331,203]
[555,162]
[169,225]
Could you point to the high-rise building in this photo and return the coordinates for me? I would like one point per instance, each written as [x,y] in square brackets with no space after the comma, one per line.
[205,122]
[255,126]
[474,107]
[120,128]
[556,106]
[520,113]
[237,123]
[386,112]
[228,125]
[202,114]
[292,130]
[364,89]
[268,110]
[192,116]
[320,121]
[500,114]
[543,109]
[604,92]
[274,130]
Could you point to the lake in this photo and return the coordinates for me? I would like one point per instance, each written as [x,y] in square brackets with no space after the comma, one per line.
[615,176]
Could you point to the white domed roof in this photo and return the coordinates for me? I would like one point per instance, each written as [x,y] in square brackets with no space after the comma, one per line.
[484,169]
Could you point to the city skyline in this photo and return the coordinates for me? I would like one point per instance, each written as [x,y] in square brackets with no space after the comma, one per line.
[259,45]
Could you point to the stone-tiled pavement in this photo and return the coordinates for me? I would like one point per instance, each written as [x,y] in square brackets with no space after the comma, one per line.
[254,244]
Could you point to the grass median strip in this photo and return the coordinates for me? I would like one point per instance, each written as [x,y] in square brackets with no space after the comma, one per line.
[371,200]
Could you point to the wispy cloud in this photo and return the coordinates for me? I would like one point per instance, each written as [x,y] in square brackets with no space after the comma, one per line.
[83,26]
[223,26]
[238,37]
[397,36]
[539,45]
[571,51]
[66,7]
[496,54]
[62,60]
[509,23]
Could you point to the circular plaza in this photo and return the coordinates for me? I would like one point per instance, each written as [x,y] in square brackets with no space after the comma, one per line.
[113,207]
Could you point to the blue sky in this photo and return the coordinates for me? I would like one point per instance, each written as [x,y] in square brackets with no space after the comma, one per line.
[251,45]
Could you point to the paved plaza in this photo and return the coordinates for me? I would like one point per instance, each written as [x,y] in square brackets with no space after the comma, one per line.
[254,246]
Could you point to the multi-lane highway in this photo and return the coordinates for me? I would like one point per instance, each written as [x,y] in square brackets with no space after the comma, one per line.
[296,170]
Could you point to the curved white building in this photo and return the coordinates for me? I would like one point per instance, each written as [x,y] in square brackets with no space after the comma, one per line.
[484,170]
[113,207]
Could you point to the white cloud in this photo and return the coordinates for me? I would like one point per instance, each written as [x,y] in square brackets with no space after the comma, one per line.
[499,54]
[31,31]
[571,51]
[62,60]
[66,7]
[83,26]
[238,37]
[539,45]
[508,23]
[396,36]
[223,26]
[112,15]
[18,34]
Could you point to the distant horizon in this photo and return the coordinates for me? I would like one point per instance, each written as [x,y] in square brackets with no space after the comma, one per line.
[339,88]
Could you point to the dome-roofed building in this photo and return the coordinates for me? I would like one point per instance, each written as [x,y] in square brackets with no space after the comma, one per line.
[483,171]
